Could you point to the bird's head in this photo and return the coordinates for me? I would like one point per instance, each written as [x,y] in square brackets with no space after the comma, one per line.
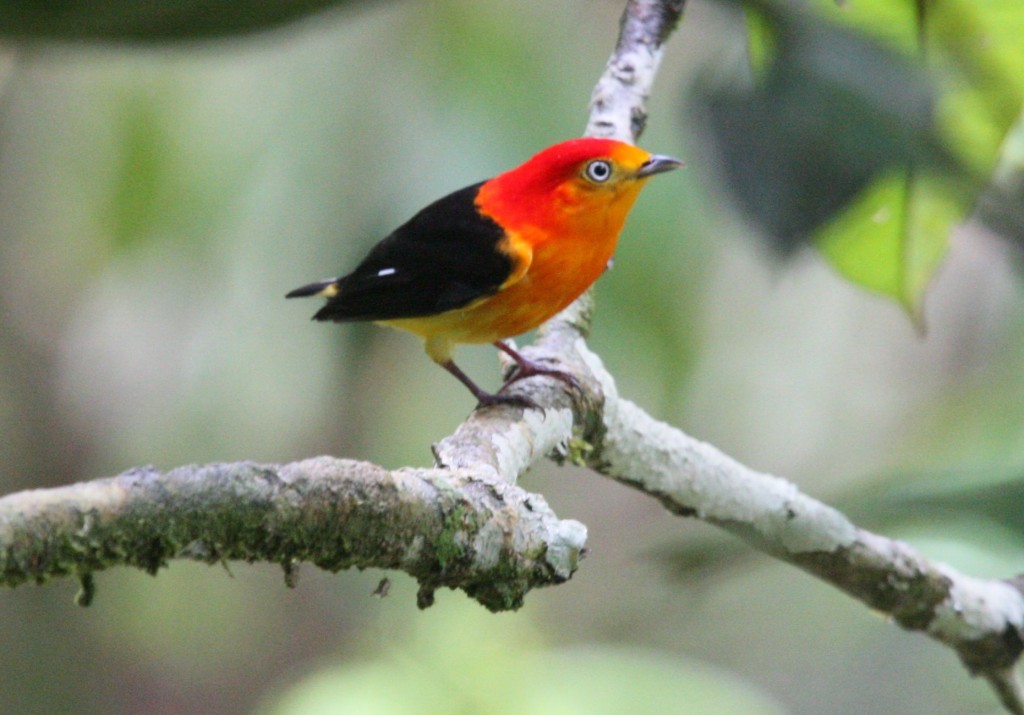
[587,175]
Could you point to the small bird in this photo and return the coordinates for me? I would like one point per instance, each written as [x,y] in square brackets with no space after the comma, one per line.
[500,257]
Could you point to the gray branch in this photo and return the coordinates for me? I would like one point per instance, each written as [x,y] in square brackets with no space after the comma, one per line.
[444,527]
[982,620]
[618,104]
[465,524]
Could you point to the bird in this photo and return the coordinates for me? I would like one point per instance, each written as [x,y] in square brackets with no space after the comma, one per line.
[499,257]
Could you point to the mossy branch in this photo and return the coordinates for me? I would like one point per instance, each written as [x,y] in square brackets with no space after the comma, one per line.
[442,527]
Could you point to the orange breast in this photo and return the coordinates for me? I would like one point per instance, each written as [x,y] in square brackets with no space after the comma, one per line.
[559,272]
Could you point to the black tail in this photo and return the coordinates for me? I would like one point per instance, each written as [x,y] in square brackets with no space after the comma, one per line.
[325,288]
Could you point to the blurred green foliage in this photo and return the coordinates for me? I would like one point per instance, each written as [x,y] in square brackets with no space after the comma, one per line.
[461,660]
[870,129]
[157,202]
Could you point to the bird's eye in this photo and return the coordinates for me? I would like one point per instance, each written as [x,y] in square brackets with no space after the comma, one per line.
[599,171]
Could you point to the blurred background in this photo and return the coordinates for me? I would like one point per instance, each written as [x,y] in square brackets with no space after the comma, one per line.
[157,201]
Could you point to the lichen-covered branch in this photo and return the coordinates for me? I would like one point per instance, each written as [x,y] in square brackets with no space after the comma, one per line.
[618,104]
[981,620]
[442,527]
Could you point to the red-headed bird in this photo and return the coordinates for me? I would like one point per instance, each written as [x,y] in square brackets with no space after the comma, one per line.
[498,258]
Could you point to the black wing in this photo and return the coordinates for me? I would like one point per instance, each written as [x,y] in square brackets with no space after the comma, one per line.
[443,258]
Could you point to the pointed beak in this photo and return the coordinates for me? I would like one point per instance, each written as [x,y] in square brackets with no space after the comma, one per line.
[658,164]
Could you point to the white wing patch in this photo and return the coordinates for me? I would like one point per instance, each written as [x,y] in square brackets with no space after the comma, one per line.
[384,272]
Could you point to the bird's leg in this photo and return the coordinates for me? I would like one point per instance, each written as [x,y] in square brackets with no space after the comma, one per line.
[528,368]
[483,398]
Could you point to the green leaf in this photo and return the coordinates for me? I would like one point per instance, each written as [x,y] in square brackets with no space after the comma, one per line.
[892,239]
[830,111]
[870,129]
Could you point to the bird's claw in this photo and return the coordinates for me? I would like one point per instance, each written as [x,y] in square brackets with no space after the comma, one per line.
[525,367]
[522,372]
[490,400]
